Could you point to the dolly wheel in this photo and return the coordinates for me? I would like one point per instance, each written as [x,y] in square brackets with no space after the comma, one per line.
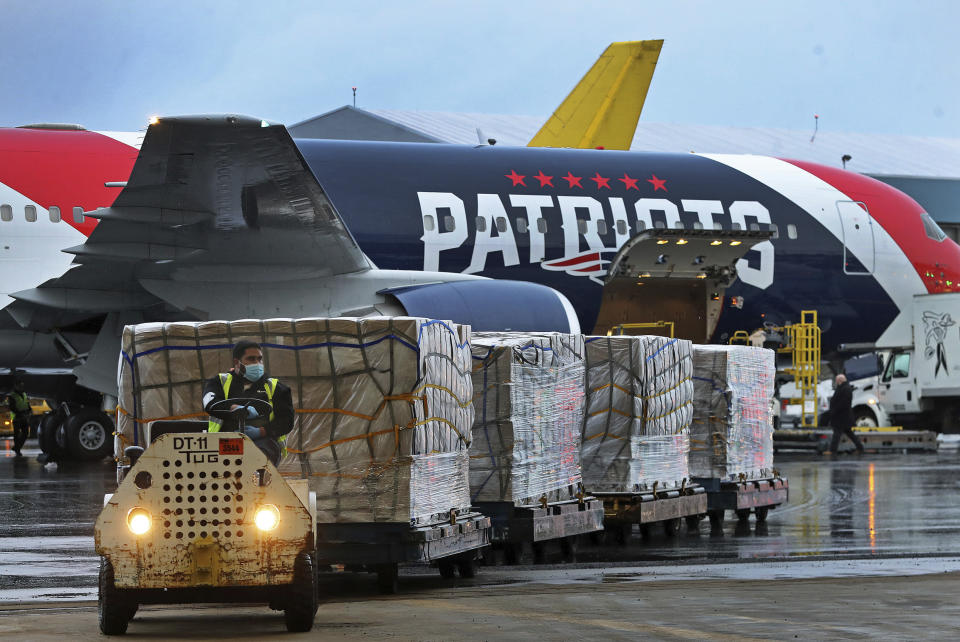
[447,567]
[743,514]
[115,610]
[467,566]
[716,519]
[761,514]
[693,523]
[568,548]
[301,604]
[671,526]
[388,578]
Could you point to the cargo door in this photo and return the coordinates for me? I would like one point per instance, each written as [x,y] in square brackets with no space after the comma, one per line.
[859,252]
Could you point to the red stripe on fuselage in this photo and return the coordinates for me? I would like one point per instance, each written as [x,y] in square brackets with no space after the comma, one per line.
[937,262]
[64,168]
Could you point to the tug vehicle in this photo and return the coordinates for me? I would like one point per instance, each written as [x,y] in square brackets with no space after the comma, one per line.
[205,517]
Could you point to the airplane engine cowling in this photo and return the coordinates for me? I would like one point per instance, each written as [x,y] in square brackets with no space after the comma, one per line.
[490,305]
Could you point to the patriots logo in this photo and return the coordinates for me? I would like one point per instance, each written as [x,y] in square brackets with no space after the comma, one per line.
[591,264]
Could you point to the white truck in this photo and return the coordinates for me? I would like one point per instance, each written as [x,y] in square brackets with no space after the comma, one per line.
[920,385]
[863,373]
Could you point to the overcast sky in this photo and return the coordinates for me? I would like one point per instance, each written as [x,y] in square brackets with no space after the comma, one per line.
[891,67]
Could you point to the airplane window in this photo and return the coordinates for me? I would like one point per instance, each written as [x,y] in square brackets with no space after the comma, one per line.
[679,225]
[775,230]
[621,227]
[542,225]
[6,213]
[54,214]
[641,226]
[582,225]
[791,231]
[737,226]
[931,228]
[501,224]
[697,225]
[481,224]
[522,225]
[30,213]
[449,223]
[754,227]
[601,227]
[427,220]
[660,225]
[78,216]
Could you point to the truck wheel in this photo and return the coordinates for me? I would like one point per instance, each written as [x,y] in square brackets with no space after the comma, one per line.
[301,605]
[388,579]
[89,434]
[114,609]
[864,417]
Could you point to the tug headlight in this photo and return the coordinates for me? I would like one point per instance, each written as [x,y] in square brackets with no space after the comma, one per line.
[139,521]
[267,517]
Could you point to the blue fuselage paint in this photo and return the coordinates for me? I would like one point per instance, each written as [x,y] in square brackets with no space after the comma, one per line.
[375,188]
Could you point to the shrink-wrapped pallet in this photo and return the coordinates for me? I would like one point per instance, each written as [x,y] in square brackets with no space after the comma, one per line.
[383,404]
[528,399]
[639,409]
[732,431]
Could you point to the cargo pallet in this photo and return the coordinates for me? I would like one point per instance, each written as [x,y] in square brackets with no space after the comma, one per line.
[381,547]
[622,510]
[743,497]
[514,527]
[876,440]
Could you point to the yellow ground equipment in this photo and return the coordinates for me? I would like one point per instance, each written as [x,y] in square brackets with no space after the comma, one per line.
[604,107]
[619,329]
[205,517]
[803,346]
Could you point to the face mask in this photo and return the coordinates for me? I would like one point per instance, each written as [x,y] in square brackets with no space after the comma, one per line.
[253,372]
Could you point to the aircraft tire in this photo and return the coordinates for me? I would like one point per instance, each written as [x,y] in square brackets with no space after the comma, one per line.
[50,435]
[89,434]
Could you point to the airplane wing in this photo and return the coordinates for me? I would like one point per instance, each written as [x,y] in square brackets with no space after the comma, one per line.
[211,199]
[604,107]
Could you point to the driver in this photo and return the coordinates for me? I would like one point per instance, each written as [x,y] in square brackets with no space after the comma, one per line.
[246,380]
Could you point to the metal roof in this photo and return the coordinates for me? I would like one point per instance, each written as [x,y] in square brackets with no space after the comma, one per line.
[874,154]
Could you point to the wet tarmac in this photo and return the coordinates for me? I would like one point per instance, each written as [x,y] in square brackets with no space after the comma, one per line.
[870,515]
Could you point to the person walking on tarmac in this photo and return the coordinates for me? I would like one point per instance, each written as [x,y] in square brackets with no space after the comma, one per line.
[246,380]
[841,414]
[19,405]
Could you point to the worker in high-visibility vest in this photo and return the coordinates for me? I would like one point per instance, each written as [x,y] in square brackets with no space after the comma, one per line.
[247,379]
[19,404]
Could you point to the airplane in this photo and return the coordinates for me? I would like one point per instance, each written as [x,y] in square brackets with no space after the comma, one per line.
[229,217]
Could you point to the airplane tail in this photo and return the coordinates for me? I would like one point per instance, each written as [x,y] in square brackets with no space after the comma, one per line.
[604,107]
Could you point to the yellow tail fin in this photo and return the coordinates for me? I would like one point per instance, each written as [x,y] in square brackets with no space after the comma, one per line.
[604,107]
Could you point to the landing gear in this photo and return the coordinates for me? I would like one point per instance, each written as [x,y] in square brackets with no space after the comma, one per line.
[86,434]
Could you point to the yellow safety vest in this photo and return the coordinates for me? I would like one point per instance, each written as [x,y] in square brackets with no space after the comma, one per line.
[269,386]
[21,403]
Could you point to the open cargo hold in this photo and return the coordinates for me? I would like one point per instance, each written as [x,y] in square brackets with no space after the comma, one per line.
[732,431]
[382,404]
[525,453]
[635,429]
[731,439]
[528,399]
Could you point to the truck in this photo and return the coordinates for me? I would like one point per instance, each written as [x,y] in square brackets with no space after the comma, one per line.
[920,385]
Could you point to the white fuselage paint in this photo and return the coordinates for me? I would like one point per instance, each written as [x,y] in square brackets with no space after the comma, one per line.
[31,251]
[891,267]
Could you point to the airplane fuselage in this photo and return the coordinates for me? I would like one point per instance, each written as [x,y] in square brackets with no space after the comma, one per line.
[553,216]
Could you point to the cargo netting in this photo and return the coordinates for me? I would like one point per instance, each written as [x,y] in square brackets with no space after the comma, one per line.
[732,431]
[528,398]
[639,409]
[383,404]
